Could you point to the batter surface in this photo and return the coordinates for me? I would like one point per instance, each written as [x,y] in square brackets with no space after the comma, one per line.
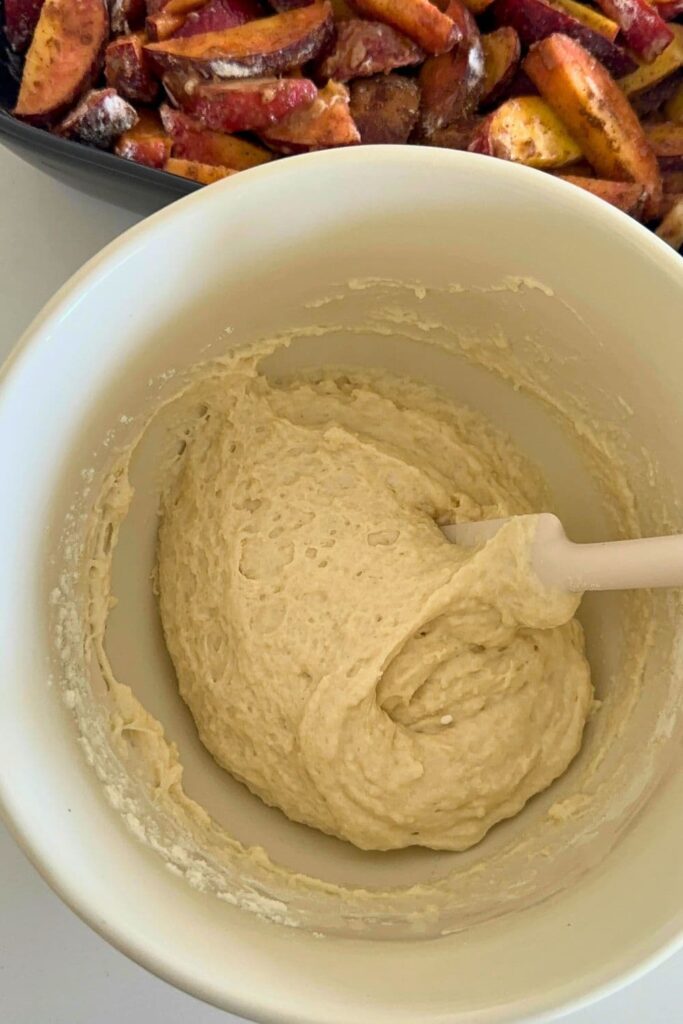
[338,655]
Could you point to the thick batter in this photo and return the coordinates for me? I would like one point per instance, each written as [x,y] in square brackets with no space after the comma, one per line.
[338,655]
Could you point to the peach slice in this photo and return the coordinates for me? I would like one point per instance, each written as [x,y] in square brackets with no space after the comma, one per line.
[99,119]
[667,63]
[204,174]
[173,6]
[192,141]
[251,104]
[502,52]
[258,48]
[63,60]
[385,108]
[163,25]
[128,70]
[642,27]
[451,83]
[324,123]
[217,15]
[526,130]
[420,20]
[589,17]
[146,143]
[364,48]
[595,111]
[536,19]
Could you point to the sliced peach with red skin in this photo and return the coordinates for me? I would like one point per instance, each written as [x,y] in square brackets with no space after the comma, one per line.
[192,141]
[100,117]
[643,28]
[147,142]
[251,104]
[365,48]
[502,53]
[420,20]
[325,123]
[258,48]
[385,108]
[127,69]
[595,110]
[63,60]
[451,83]
[203,174]
[536,19]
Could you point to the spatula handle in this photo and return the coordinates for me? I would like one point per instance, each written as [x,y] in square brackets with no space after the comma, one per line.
[612,565]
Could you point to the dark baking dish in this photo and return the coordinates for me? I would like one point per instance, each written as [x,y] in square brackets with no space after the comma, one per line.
[95,171]
[139,188]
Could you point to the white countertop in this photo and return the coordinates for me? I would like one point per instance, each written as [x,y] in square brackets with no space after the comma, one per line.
[53,969]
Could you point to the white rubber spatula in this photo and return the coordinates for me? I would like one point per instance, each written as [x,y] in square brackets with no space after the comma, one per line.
[613,565]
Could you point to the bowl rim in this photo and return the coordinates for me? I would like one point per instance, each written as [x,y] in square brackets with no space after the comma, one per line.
[38,334]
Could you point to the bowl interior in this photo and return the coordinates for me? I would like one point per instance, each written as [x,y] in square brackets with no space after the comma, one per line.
[134,638]
[517,297]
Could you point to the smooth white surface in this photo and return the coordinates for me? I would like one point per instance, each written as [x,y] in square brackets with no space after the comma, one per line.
[47,232]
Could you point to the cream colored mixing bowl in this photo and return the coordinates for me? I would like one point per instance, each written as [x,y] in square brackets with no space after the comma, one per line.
[560,320]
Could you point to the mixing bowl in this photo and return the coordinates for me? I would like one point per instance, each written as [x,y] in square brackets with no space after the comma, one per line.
[557,317]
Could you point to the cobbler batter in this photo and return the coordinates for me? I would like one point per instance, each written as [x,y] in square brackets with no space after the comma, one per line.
[338,655]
